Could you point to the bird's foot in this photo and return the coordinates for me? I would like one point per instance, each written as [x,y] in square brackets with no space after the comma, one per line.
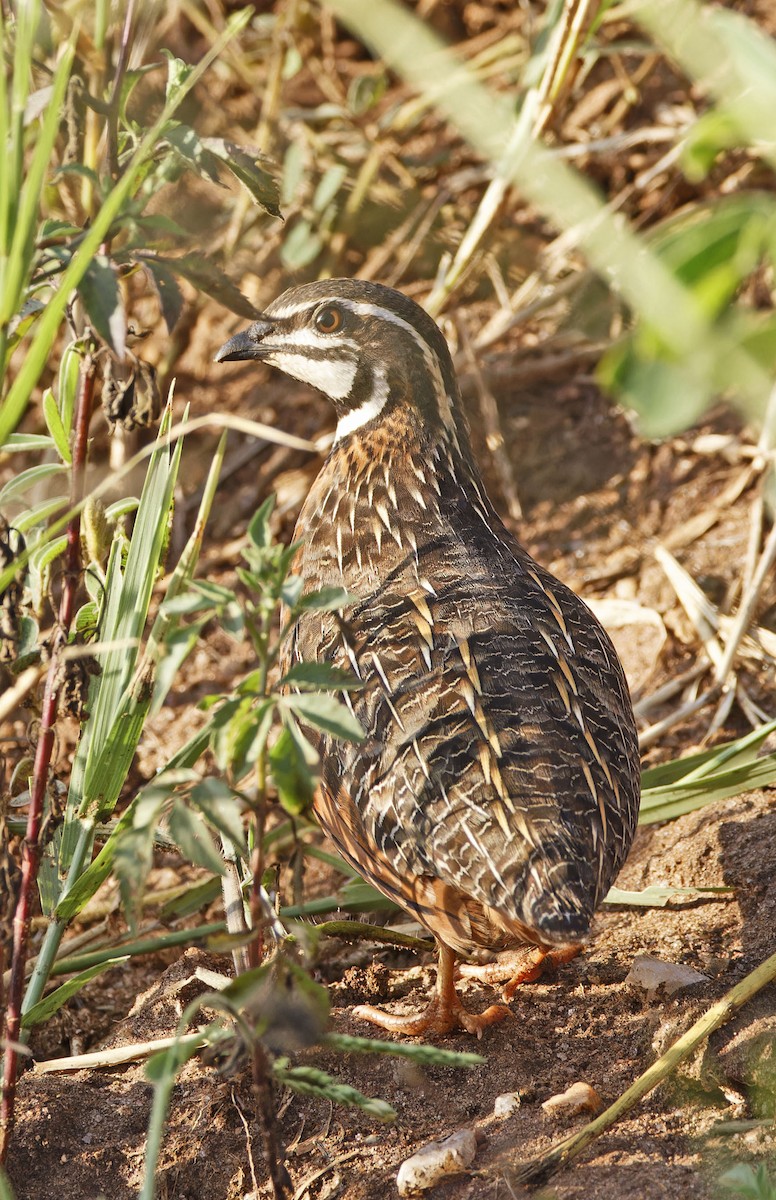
[518,968]
[442,1015]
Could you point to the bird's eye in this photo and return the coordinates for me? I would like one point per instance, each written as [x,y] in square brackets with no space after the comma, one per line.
[328,319]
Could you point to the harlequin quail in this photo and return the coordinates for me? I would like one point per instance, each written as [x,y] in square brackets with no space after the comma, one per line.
[496,792]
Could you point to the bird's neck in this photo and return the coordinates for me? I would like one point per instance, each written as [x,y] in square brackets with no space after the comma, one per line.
[383,495]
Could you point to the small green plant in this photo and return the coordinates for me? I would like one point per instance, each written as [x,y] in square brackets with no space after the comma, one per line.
[743,1180]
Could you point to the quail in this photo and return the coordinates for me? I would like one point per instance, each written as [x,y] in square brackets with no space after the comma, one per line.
[495,794]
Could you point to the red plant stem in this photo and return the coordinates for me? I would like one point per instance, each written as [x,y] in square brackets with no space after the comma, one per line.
[31,847]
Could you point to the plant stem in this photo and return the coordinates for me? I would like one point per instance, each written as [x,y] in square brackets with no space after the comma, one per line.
[31,847]
[264,1097]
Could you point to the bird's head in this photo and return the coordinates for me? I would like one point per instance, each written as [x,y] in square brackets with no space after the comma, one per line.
[367,347]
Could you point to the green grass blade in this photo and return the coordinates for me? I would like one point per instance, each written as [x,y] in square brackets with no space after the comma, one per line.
[46,1008]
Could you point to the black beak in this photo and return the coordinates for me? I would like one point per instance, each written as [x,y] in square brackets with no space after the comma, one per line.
[247,344]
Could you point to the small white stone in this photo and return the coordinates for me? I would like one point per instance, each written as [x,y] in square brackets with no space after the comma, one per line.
[506,1104]
[580,1097]
[654,976]
[436,1160]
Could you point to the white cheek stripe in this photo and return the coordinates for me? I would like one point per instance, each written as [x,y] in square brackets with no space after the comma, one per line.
[367,411]
[334,377]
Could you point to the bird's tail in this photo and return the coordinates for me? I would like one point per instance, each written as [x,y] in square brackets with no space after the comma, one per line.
[560,898]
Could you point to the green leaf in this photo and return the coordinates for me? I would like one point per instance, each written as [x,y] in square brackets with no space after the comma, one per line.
[658,896]
[104,306]
[55,426]
[329,186]
[68,383]
[247,166]
[324,676]
[28,479]
[313,1082]
[188,145]
[222,807]
[326,713]
[328,599]
[665,803]
[170,295]
[424,1056]
[301,246]
[167,1063]
[178,73]
[46,1008]
[190,833]
[365,91]
[294,780]
[23,442]
[208,278]
[259,532]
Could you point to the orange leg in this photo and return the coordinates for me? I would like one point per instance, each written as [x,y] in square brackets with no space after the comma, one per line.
[525,970]
[444,1012]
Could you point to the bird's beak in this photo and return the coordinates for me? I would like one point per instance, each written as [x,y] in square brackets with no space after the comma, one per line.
[248,344]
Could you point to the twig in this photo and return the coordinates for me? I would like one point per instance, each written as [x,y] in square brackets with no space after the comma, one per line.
[649,736]
[541,1169]
[31,847]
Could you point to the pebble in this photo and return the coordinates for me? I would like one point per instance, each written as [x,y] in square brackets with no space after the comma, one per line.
[580,1097]
[435,1161]
[653,976]
[506,1104]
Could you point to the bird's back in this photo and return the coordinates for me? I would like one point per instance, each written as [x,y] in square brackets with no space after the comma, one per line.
[496,792]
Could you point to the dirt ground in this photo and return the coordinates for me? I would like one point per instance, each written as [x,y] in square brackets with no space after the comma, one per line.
[597,499]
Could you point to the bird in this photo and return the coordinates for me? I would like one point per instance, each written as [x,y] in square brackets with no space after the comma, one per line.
[495,794]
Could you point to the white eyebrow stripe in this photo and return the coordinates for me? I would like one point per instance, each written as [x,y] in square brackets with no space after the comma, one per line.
[311,339]
[367,411]
[333,376]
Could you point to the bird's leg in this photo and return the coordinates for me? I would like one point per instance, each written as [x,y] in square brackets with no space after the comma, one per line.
[444,1013]
[519,968]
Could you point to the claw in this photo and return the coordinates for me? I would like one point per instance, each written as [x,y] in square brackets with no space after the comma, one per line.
[444,1013]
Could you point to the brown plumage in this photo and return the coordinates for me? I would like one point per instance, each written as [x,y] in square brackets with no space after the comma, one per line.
[496,794]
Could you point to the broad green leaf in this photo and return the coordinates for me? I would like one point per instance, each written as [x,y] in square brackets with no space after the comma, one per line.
[259,532]
[294,780]
[323,676]
[329,599]
[104,306]
[210,279]
[178,74]
[247,166]
[329,186]
[170,295]
[39,515]
[301,245]
[190,833]
[188,145]
[222,807]
[326,713]
[68,383]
